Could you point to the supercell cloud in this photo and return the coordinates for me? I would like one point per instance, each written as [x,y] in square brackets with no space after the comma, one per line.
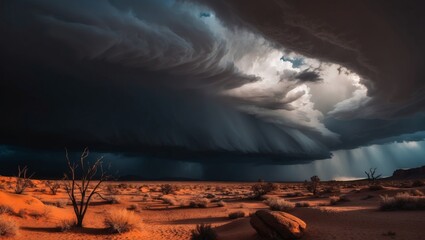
[280,82]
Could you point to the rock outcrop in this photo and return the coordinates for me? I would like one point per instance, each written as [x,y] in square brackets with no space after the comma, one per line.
[412,173]
[270,224]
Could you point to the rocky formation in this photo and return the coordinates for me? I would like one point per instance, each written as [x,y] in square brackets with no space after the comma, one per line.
[271,224]
[412,173]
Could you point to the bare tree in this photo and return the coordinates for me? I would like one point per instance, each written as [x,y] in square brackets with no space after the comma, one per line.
[77,182]
[371,176]
[22,180]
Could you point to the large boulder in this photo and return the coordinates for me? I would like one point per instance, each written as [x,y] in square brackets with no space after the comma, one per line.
[270,224]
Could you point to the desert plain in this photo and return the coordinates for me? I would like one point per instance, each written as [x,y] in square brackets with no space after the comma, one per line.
[172,210]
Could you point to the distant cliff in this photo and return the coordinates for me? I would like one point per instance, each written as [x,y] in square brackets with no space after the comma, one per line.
[412,173]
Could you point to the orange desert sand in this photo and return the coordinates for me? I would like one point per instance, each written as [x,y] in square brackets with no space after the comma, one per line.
[38,213]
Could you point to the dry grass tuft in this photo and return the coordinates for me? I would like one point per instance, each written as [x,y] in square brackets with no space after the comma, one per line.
[203,232]
[66,224]
[170,200]
[402,201]
[6,209]
[8,227]
[133,207]
[334,200]
[279,204]
[112,199]
[119,221]
[199,203]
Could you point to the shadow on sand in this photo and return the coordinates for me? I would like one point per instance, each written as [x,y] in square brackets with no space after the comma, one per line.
[84,230]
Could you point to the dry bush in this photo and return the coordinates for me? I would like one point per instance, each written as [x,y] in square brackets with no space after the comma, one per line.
[331,189]
[112,199]
[133,207]
[262,188]
[203,232]
[22,180]
[119,221]
[167,189]
[66,224]
[8,227]
[279,204]
[302,204]
[170,200]
[313,186]
[6,209]
[237,214]
[418,183]
[210,195]
[333,200]
[198,203]
[416,192]
[221,203]
[21,213]
[402,201]
[294,194]
[44,214]
[61,203]
[111,189]
[123,186]
[53,186]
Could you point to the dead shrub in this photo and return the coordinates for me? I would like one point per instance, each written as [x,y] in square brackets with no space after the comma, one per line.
[8,227]
[133,207]
[262,188]
[333,200]
[120,221]
[6,209]
[198,203]
[302,204]
[237,214]
[53,186]
[418,183]
[167,189]
[279,204]
[402,201]
[66,224]
[203,232]
[170,200]
[22,180]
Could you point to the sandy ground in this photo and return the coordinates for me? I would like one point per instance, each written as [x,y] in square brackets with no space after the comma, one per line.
[358,218]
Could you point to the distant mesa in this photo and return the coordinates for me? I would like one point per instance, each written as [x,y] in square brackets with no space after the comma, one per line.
[412,173]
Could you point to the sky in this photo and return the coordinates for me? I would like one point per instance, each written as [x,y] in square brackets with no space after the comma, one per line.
[214,89]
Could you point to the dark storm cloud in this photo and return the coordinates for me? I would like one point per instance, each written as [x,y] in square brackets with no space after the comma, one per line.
[147,80]
[379,40]
[130,77]
[363,132]
[308,76]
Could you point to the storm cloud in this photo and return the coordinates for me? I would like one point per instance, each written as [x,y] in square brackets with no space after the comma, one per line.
[202,83]
[114,76]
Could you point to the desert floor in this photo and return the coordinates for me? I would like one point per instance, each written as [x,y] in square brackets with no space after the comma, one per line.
[39,213]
